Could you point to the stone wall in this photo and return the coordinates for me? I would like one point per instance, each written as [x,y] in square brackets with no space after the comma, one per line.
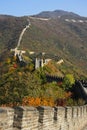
[43,118]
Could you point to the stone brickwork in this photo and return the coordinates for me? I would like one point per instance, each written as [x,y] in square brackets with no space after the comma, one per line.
[43,118]
[6,118]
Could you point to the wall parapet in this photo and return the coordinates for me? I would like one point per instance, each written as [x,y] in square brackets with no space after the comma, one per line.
[43,118]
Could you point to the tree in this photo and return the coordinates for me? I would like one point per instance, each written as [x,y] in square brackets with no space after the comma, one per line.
[13,87]
[41,75]
[68,81]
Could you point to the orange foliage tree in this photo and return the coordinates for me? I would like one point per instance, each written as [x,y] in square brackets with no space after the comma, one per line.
[31,101]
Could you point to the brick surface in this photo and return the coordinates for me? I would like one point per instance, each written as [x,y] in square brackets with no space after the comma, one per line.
[43,118]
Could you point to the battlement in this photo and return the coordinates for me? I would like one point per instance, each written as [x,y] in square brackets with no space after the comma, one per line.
[43,118]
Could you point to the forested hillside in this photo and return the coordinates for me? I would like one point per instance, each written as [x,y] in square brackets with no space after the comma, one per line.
[58,36]
[63,35]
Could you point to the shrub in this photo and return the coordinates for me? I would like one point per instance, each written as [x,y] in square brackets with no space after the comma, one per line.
[31,101]
[68,82]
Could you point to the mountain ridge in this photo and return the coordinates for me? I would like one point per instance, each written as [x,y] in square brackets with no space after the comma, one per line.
[56,13]
[64,38]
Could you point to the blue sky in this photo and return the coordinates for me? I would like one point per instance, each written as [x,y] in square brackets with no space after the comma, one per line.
[30,7]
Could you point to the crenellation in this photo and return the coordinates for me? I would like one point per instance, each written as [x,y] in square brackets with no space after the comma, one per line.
[74,112]
[68,113]
[68,118]
[28,119]
[46,117]
[6,118]
[43,118]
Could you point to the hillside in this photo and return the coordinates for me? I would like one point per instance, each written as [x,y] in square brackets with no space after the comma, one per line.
[59,34]
[10,29]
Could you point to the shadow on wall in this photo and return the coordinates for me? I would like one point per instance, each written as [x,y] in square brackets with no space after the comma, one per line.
[80,91]
[18,116]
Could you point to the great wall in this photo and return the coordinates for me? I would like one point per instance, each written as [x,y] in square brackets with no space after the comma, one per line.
[43,118]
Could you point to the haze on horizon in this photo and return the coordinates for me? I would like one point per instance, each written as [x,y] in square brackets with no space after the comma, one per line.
[31,7]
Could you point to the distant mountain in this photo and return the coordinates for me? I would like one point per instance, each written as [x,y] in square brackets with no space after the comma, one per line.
[57,33]
[55,14]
